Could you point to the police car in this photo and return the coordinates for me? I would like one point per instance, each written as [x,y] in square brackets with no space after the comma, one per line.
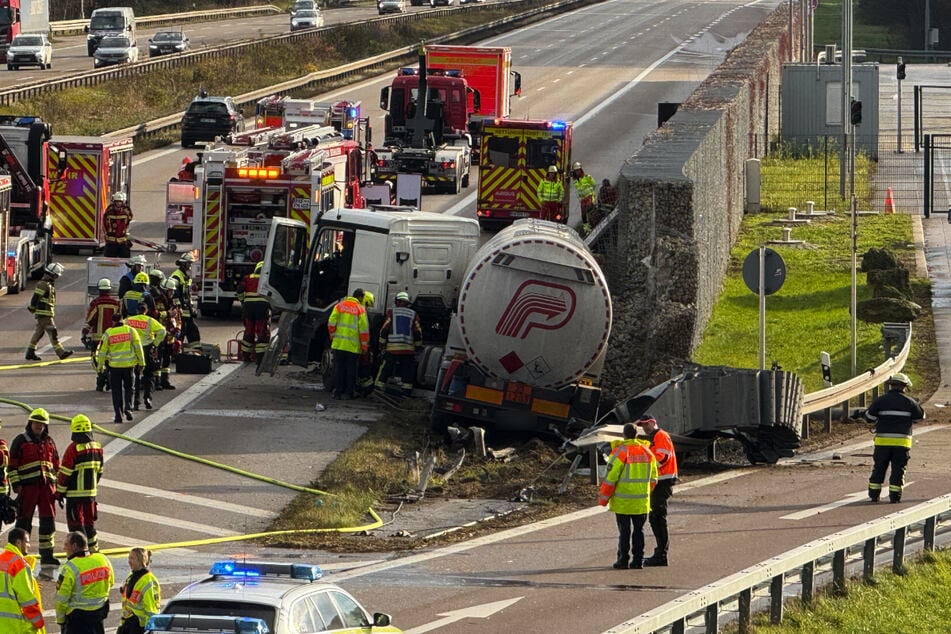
[266,598]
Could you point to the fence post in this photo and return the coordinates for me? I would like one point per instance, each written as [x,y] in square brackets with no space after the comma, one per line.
[927,174]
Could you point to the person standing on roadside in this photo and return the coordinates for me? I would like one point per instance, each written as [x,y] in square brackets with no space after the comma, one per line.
[78,479]
[34,463]
[82,590]
[116,220]
[20,609]
[551,194]
[663,449]
[183,293]
[141,593]
[893,413]
[349,338]
[626,490]
[585,186]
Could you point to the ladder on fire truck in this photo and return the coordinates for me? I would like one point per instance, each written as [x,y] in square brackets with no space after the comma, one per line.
[258,136]
[306,136]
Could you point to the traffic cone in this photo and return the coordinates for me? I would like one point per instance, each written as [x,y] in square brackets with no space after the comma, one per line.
[889,203]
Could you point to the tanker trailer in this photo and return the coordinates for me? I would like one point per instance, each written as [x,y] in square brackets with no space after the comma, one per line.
[527,343]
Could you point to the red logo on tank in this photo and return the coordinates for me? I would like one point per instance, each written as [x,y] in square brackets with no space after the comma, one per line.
[537,304]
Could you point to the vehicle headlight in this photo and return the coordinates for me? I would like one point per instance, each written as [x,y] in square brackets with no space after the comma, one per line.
[179,47]
[39,56]
[153,47]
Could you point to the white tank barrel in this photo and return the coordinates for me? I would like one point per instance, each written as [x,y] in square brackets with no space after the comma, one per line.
[535,306]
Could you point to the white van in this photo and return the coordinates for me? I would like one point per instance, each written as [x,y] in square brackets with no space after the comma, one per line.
[109,21]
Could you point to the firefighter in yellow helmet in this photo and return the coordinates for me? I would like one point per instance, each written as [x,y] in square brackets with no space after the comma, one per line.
[78,479]
[893,413]
[138,294]
[34,463]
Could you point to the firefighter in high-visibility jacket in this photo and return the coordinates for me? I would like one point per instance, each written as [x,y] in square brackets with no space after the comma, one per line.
[151,333]
[349,338]
[893,413]
[400,335]
[256,315]
[663,449]
[631,476]
[120,351]
[82,590]
[77,482]
[585,186]
[20,609]
[550,194]
[34,463]
[43,307]
[98,319]
[141,593]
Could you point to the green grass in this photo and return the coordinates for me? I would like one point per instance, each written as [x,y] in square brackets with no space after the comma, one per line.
[918,601]
[828,30]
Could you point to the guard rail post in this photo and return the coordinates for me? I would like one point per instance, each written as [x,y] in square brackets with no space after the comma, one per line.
[838,572]
[898,550]
[776,599]
[928,533]
[868,560]
[808,580]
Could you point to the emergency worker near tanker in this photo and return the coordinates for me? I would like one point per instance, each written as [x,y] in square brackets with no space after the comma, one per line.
[349,338]
[551,193]
[663,449]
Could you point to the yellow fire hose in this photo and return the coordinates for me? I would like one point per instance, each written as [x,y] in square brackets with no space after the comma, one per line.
[376,523]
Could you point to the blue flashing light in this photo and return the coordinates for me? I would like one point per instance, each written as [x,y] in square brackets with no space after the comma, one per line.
[353,113]
[408,71]
[258,569]
[557,125]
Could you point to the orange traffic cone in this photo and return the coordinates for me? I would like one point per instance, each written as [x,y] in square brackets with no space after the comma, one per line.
[889,203]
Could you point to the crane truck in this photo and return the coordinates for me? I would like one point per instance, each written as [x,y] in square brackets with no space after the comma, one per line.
[488,71]
[427,128]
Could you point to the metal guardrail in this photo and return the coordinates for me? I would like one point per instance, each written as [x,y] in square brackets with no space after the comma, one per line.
[94,77]
[833,559]
[73,27]
[869,380]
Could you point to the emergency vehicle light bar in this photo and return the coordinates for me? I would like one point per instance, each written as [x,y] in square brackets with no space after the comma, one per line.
[198,623]
[254,569]
[258,172]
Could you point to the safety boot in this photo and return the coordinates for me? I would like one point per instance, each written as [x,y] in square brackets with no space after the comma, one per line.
[31,355]
[655,561]
[47,558]
[64,354]
[148,402]
[894,498]
[165,384]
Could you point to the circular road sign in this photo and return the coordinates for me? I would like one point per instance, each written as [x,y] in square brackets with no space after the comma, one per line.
[774,268]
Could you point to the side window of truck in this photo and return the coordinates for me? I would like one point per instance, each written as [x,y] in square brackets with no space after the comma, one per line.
[333,257]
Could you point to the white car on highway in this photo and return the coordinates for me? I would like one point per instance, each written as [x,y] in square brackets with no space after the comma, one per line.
[307,19]
[30,49]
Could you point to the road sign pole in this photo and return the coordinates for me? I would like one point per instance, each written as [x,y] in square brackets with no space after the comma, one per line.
[762,307]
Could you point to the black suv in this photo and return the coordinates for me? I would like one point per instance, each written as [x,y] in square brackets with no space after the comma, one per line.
[210,117]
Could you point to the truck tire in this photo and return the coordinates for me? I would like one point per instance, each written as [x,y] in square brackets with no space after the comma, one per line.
[19,283]
[427,370]
[465,179]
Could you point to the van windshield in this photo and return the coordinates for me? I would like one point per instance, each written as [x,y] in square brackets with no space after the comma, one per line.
[109,21]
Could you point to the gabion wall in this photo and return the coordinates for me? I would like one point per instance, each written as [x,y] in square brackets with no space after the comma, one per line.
[681,205]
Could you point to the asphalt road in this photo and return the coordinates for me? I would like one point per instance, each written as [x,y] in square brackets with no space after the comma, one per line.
[605,68]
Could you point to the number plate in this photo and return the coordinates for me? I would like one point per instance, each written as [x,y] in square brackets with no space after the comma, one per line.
[207,120]
[519,214]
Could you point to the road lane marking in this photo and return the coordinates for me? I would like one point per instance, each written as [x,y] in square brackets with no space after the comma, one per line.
[164,520]
[851,498]
[187,499]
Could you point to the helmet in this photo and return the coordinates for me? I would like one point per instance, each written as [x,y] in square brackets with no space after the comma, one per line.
[170,284]
[104,284]
[140,278]
[157,274]
[187,258]
[901,378]
[39,415]
[576,166]
[80,424]
[136,259]
[552,169]
[118,197]
[258,267]
[55,268]
[368,299]
[402,296]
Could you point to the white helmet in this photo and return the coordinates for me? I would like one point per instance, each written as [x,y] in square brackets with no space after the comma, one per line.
[402,296]
[552,169]
[137,259]
[576,166]
[170,284]
[119,197]
[105,284]
[186,258]
[901,378]
[55,268]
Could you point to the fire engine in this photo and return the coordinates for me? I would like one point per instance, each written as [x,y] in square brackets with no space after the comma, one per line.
[277,111]
[294,174]
[9,281]
[95,169]
[515,157]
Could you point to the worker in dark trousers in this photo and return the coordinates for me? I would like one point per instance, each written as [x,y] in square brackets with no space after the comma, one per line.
[34,464]
[256,315]
[120,351]
[400,335]
[183,279]
[663,449]
[893,413]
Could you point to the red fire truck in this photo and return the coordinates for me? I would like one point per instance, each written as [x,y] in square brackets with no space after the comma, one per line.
[277,111]
[95,170]
[515,157]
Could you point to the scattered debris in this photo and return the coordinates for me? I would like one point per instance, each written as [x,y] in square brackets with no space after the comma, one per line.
[505,454]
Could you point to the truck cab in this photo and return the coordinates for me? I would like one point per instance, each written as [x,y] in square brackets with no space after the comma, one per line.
[383,250]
